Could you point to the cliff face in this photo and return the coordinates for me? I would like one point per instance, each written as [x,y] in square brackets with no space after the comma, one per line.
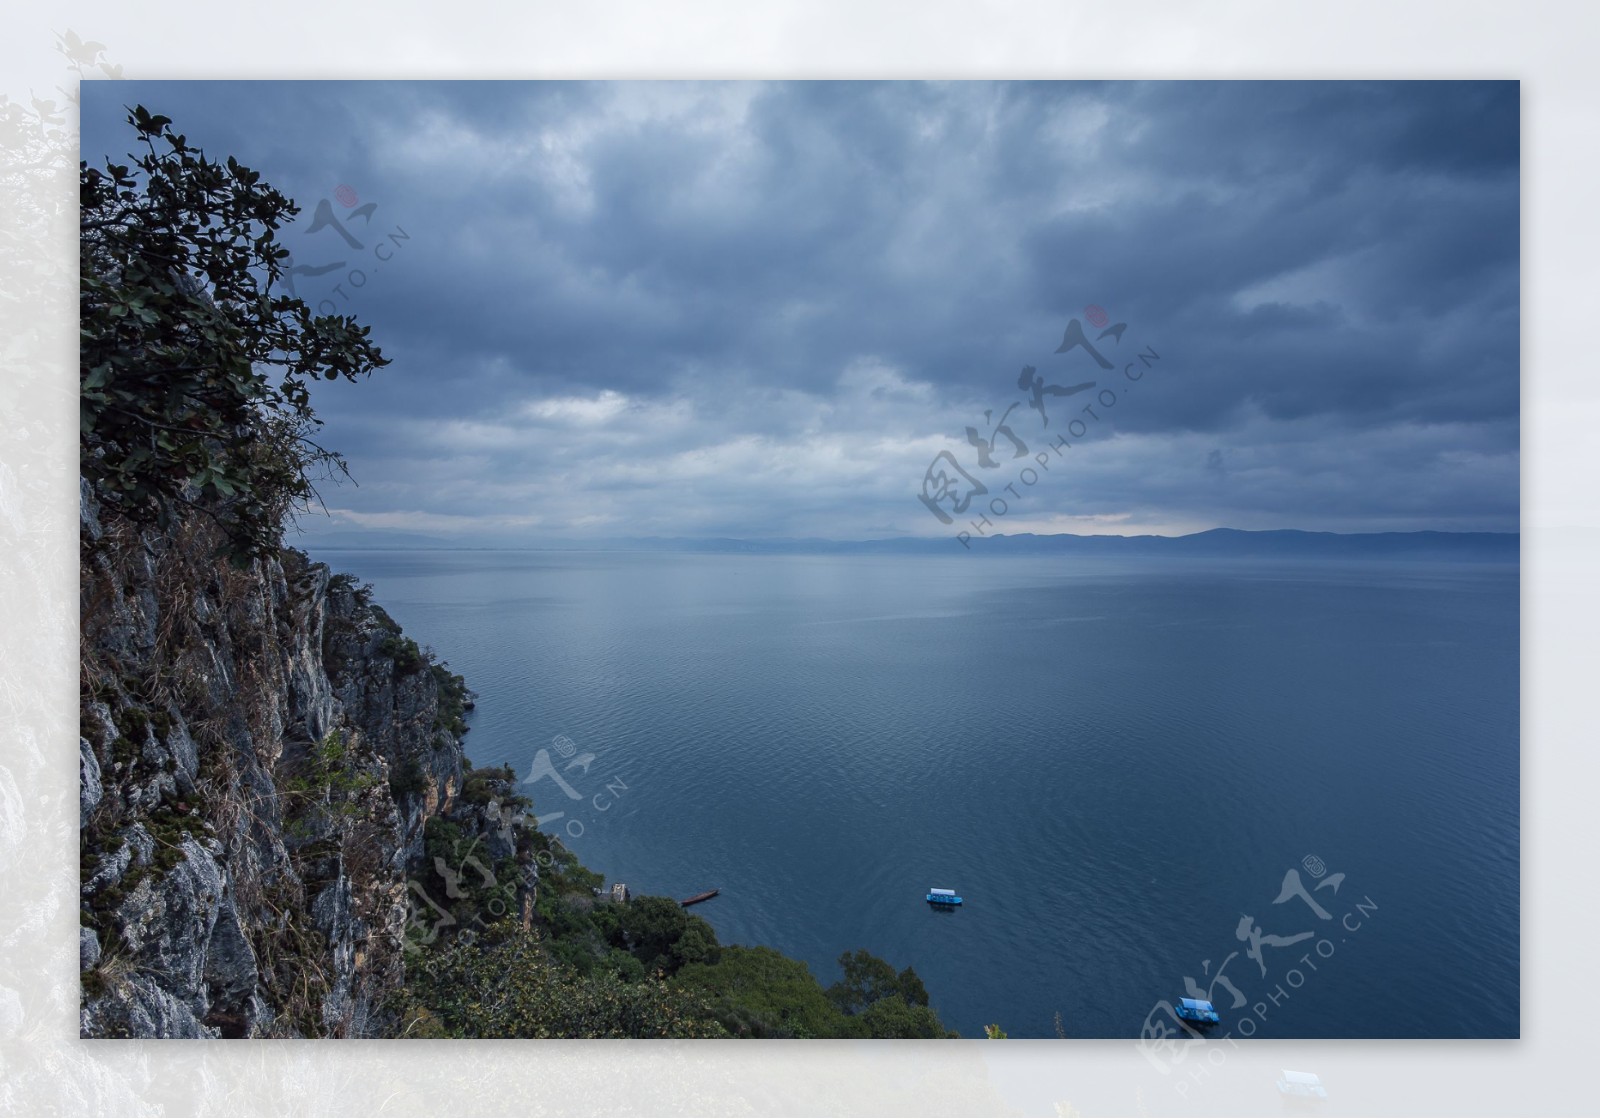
[260,751]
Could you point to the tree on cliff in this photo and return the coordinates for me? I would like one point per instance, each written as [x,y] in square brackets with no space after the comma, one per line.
[868,979]
[194,369]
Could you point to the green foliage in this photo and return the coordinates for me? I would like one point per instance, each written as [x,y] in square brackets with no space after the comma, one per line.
[912,988]
[454,697]
[592,967]
[407,655]
[894,1017]
[407,779]
[508,985]
[455,700]
[622,954]
[697,945]
[331,753]
[495,783]
[362,593]
[662,936]
[458,873]
[624,966]
[867,980]
[560,872]
[758,992]
[180,321]
[327,781]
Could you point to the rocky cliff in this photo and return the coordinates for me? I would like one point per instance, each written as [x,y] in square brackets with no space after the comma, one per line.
[261,749]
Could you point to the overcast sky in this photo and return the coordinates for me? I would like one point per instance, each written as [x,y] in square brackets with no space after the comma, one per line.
[764,310]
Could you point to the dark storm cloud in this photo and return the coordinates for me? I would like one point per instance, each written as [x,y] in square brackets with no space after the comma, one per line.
[762,309]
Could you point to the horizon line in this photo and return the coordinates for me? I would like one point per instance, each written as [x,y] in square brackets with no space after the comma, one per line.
[446,543]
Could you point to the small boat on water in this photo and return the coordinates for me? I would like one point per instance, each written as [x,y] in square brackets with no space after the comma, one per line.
[937,896]
[698,898]
[1198,1011]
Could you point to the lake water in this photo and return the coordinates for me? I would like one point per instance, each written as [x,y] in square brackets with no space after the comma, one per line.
[1117,763]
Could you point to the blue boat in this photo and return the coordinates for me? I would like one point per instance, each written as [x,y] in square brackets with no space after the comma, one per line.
[1198,1011]
[942,897]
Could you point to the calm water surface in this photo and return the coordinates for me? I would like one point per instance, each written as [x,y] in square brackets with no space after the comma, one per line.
[1115,762]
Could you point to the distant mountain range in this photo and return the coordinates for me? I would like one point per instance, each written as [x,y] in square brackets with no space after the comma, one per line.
[1504,547]
[378,538]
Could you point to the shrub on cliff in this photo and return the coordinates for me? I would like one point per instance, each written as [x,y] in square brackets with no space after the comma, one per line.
[759,992]
[194,368]
[508,986]
[868,980]
[756,992]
